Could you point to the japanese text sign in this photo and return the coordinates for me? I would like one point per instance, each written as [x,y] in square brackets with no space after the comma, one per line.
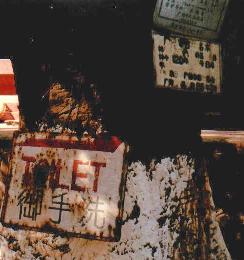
[65,184]
[197,18]
[188,65]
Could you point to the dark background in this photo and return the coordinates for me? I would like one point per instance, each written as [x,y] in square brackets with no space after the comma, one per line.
[110,42]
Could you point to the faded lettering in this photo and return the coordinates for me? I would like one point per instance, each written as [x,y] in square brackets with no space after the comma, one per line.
[201,18]
[186,64]
[30,203]
[60,183]
[54,173]
[96,214]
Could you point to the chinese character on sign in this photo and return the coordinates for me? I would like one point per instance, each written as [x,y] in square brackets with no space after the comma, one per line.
[61,206]
[96,214]
[30,203]
[186,64]
[61,183]
[198,18]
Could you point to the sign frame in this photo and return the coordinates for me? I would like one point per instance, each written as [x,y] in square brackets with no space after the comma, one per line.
[48,228]
[176,39]
[185,28]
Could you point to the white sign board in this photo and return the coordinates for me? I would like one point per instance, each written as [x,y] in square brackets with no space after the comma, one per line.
[197,18]
[185,64]
[66,185]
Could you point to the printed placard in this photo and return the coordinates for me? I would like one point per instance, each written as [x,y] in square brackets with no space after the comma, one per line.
[185,64]
[63,184]
[197,18]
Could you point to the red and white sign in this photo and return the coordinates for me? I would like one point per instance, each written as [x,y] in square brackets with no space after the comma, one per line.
[9,112]
[7,82]
[63,184]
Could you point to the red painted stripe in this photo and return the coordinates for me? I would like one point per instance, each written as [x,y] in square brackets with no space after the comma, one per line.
[7,84]
[97,145]
[7,91]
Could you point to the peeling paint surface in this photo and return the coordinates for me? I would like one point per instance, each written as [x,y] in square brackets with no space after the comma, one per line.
[163,219]
[63,184]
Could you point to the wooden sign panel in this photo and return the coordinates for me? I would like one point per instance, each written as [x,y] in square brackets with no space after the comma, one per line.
[188,65]
[65,185]
[197,18]
[235,138]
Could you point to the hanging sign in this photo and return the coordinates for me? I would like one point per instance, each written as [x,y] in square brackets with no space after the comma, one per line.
[63,184]
[185,64]
[197,18]
[9,112]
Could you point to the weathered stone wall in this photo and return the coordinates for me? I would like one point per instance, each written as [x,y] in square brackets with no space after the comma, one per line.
[169,214]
